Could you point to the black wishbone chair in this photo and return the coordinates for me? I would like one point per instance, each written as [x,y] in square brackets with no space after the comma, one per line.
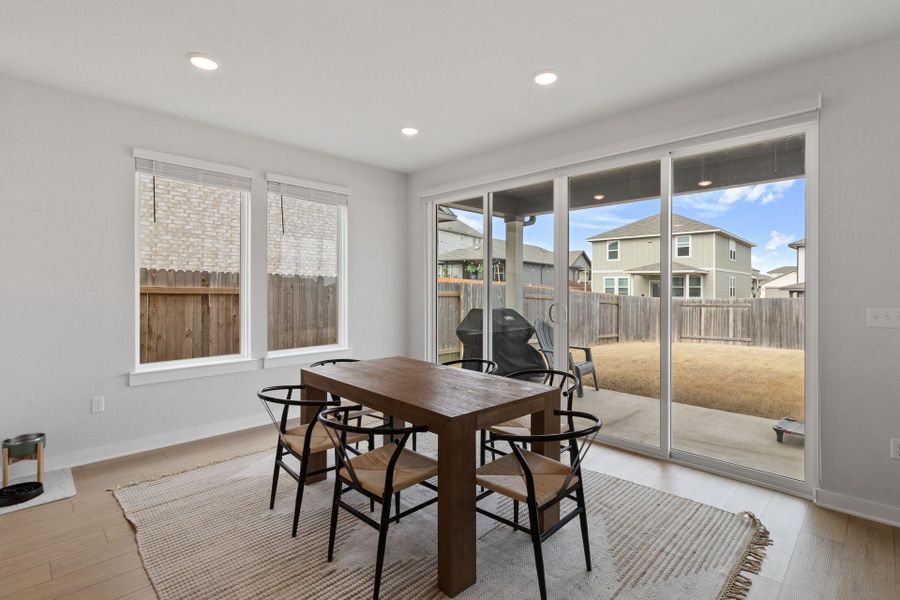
[542,482]
[357,416]
[566,382]
[299,441]
[377,474]
[488,367]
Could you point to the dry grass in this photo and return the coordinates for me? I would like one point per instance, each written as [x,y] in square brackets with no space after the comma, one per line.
[764,382]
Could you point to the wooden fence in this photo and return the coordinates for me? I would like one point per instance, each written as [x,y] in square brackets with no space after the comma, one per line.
[191,314]
[604,318]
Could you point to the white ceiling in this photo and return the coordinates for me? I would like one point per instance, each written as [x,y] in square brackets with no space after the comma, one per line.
[343,76]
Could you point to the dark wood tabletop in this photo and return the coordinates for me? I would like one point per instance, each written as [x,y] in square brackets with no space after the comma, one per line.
[454,403]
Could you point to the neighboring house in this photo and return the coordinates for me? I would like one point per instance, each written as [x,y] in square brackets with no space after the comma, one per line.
[460,255]
[707,261]
[789,281]
[757,279]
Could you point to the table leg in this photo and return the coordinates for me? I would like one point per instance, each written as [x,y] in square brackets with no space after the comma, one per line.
[546,422]
[317,460]
[456,507]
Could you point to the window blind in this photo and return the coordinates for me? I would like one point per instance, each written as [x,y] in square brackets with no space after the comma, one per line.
[191,174]
[307,193]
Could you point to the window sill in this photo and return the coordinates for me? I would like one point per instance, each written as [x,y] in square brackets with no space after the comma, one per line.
[190,369]
[304,356]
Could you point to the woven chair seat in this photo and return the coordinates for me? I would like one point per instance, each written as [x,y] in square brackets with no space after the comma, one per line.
[522,426]
[320,441]
[505,477]
[370,469]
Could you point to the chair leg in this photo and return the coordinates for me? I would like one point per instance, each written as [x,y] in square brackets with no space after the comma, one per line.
[585,539]
[596,383]
[382,539]
[278,454]
[397,501]
[482,442]
[414,441]
[332,532]
[299,500]
[538,551]
[516,511]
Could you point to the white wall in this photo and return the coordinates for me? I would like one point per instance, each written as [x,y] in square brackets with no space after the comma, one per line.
[67,259]
[859,209]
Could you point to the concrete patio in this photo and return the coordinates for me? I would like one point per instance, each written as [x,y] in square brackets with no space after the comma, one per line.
[740,439]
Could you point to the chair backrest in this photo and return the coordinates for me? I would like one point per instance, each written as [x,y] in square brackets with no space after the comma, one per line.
[268,396]
[566,382]
[333,361]
[474,364]
[577,451]
[336,423]
[544,332]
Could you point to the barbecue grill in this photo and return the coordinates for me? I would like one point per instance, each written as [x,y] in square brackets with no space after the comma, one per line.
[512,352]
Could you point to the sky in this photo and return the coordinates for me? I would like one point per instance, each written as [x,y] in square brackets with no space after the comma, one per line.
[771,215]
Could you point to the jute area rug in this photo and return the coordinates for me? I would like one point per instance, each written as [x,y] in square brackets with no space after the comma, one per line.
[209,534]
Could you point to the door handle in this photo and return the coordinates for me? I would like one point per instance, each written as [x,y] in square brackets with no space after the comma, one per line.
[550,312]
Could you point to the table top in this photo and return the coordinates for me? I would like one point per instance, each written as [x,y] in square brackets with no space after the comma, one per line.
[425,393]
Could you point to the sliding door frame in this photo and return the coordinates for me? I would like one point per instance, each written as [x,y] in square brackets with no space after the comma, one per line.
[802,122]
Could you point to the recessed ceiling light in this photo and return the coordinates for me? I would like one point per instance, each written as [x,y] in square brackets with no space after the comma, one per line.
[202,61]
[599,196]
[546,77]
[704,183]
[410,131]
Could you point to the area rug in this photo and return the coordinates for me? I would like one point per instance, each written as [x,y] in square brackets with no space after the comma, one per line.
[209,534]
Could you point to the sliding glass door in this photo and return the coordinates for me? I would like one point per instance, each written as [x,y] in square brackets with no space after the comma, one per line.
[693,349]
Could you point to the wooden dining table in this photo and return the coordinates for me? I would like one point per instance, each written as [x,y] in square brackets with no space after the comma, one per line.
[455,404]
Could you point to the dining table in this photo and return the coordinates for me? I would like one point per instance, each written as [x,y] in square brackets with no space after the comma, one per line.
[454,404]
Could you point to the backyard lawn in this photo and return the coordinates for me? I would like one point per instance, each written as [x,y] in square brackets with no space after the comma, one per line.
[763,382]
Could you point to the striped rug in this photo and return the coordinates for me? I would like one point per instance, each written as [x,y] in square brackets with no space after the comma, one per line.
[208,534]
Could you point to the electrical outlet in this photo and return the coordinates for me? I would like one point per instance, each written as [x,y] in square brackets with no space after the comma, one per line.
[98,404]
[895,448]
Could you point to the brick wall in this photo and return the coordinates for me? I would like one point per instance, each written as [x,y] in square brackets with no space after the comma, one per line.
[197,228]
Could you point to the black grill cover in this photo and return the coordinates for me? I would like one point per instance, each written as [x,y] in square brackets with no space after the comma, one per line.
[512,352]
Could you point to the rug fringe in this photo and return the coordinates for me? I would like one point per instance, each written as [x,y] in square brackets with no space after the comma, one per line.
[188,469]
[737,586]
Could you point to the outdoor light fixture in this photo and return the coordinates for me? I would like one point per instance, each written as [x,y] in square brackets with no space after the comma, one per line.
[599,196]
[409,131]
[704,183]
[546,77]
[202,61]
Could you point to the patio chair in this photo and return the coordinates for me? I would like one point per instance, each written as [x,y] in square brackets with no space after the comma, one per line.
[544,332]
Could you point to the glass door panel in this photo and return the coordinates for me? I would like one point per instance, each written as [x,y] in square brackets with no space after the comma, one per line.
[459,285]
[613,313]
[523,301]
[738,274]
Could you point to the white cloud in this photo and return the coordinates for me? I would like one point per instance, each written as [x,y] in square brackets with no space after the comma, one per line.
[717,202]
[778,240]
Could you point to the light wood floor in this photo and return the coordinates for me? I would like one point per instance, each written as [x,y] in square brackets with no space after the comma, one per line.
[83,548]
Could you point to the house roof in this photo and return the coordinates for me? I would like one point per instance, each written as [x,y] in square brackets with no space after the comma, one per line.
[782,270]
[574,255]
[457,226]
[794,287]
[798,244]
[531,254]
[677,267]
[649,227]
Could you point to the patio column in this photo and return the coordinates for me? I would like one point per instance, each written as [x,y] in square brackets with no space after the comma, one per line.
[515,246]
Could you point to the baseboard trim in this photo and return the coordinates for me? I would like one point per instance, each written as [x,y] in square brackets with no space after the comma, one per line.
[858,507]
[155,442]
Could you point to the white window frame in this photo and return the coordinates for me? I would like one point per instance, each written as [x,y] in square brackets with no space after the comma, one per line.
[619,286]
[606,287]
[732,250]
[690,245]
[341,349]
[683,287]
[618,250]
[174,370]
[689,286]
[732,286]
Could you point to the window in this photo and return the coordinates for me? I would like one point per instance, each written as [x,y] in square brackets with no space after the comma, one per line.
[191,223]
[609,285]
[623,286]
[732,286]
[695,286]
[683,246]
[499,270]
[306,247]
[732,250]
[678,286]
[612,251]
